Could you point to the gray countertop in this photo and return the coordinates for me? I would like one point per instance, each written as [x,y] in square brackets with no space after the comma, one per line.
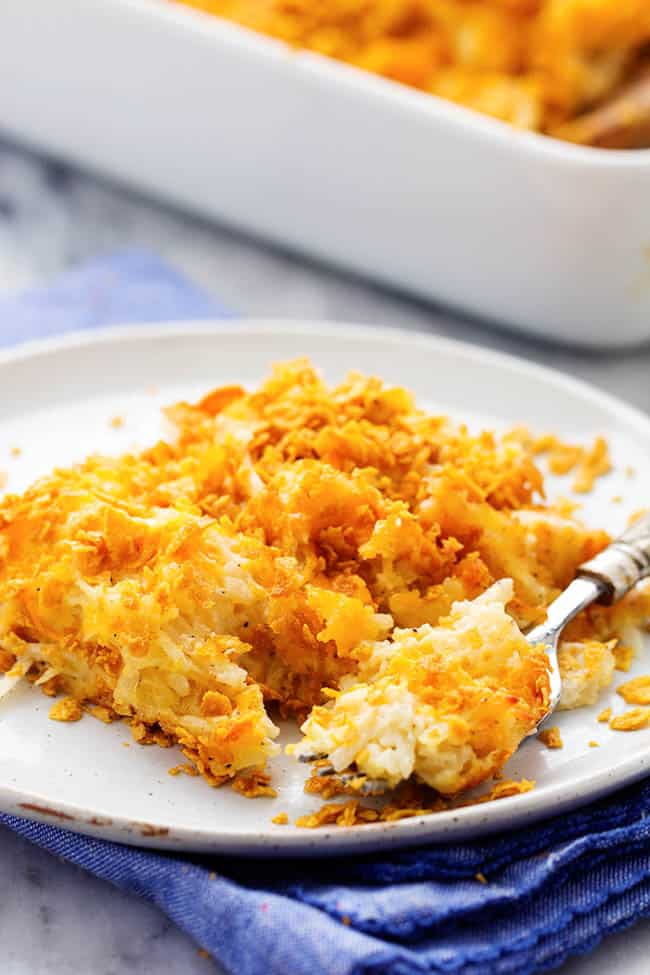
[54,919]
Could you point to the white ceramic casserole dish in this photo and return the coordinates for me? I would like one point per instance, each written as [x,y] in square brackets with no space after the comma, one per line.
[323,158]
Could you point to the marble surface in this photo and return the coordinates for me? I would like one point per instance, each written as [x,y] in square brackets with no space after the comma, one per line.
[54,919]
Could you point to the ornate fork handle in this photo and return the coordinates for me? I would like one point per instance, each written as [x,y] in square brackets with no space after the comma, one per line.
[623,563]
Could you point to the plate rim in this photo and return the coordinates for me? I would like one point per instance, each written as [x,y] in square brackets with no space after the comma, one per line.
[453,825]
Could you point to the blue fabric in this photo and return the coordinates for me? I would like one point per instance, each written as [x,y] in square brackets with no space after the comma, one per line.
[130,286]
[553,890]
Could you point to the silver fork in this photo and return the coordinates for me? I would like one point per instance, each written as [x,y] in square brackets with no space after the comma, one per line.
[604,579]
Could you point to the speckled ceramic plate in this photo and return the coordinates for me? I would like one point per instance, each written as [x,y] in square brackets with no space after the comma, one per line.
[56,402]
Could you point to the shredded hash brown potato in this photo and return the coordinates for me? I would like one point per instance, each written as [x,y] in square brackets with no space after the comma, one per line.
[332,553]
[533,63]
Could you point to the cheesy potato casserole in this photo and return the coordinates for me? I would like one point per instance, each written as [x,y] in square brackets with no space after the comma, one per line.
[335,554]
[534,63]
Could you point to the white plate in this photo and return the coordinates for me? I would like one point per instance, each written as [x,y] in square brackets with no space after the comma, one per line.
[56,402]
[325,158]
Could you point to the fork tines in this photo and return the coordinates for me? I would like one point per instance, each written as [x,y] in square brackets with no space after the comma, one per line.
[361,783]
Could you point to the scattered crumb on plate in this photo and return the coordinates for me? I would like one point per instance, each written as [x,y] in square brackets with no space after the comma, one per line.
[183,769]
[551,737]
[623,656]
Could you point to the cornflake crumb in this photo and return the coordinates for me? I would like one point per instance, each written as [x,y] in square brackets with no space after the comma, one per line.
[595,463]
[202,953]
[117,421]
[281,819]
[183,769]
[3,479]
[126,744]
[551,737]
[255,785]
[623,656]
[482,879]
[616,499]
[630,471]
[67,709]
[145,735]
[632,720]
[594,744]
[605,715]
[15,451]
[588,463]
[636,691]
[346,920]
[212,875]
[102,714]
[408,801]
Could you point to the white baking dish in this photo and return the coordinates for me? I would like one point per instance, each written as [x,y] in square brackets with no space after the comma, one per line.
[324,158]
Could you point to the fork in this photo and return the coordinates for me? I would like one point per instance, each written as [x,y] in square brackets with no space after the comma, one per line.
[604,579]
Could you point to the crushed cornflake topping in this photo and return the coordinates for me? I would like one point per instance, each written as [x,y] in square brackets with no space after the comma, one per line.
[605,715]
[616,498]
[67,709]
[106,715]
[594,744]
[202,953]
[482,879]
[406,802]
[116,422]
[15,451]
[632,720]
[254,785]
[183,769]
[4,477]
[594,463]
[150,735]
[346,920]
[289,544]
[636,691]
[281,819]
[551,737]
[623,656]
[587,463]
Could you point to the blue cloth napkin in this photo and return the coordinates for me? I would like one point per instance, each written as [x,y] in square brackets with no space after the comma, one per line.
[552,890]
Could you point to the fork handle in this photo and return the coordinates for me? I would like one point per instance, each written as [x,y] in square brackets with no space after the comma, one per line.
[623,563]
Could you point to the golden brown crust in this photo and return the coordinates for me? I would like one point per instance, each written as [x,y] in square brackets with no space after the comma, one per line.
[249,559]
